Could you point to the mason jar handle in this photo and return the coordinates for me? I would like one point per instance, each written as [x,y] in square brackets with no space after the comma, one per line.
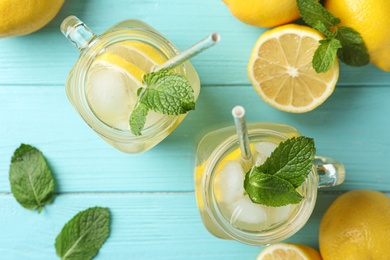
[330,172]
[77,32]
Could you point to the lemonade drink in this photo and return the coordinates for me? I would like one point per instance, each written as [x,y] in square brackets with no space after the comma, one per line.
[231,198]
[114,78]
[226,210]
[103,84]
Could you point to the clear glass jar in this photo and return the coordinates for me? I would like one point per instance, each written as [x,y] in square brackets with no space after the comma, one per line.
[218,145]
[92,46]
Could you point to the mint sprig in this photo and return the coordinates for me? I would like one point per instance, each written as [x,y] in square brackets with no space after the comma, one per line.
[345,41]
[31,179]
[316,16]
[166,93]
[325,54]
[270,190]
[274,183]
[138,118]
[356,52]
[83,235]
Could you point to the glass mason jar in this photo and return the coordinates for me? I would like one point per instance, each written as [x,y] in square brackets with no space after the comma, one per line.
[215,148]
[92,47]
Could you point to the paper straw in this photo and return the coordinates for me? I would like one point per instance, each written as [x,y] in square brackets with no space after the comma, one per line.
[238,113]
[190,52]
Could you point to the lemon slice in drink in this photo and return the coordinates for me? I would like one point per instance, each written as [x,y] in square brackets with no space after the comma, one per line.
[147,51]
[280,69]
[288,251]
[140,53]
[120,63]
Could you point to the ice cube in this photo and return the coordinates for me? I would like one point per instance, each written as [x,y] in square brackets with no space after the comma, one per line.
[264,149]
[122,124]
[152,118]
[247,215]
[260,159]
[108,94]
[229,182]
[277,214]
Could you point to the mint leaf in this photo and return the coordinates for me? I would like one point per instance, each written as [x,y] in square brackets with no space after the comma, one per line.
[138,119]
[349,45]
[270,190]
[319,26]
[31,180]
[287,167]
[292,160]
[166,93]
[354,51]
[313,12]
[82,237]
[325,54]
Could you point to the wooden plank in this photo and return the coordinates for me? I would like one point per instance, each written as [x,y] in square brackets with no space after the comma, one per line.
[345,127]
[143,226]
[46,57]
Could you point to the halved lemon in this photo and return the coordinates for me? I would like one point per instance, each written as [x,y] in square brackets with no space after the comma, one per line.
[288,251]
[280,69]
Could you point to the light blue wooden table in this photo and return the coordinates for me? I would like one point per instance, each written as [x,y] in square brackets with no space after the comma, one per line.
[151,195]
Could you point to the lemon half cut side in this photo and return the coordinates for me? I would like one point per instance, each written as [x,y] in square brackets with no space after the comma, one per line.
[288,251]
[280,69]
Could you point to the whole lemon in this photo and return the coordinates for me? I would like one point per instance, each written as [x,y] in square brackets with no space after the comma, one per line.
[20,17]
[356,226]
[371,19]
[264,13]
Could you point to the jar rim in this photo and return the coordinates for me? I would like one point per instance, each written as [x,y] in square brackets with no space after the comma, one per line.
[275,234]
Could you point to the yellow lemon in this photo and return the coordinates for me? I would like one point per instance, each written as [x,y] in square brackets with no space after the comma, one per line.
[356,226]
[288,251]
[371,19]
[20,17]
[264,13]
[280,69]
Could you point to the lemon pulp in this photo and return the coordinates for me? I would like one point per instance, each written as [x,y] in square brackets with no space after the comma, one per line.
[288,251]
[280,69]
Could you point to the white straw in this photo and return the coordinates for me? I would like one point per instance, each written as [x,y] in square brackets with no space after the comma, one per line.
[238,113]
[190,52]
